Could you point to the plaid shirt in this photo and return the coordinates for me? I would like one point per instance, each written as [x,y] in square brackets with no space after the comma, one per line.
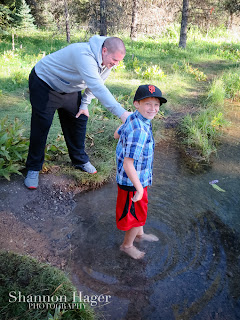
[135,142]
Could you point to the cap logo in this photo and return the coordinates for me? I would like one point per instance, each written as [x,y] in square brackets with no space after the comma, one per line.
[151,89]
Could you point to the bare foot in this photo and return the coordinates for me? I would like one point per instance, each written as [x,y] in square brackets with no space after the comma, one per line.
[146,237]
[133,252]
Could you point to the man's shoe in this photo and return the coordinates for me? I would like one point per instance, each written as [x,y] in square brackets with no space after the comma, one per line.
[31,181]
[86,167]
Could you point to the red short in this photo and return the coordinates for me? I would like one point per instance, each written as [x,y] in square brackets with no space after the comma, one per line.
[130,214]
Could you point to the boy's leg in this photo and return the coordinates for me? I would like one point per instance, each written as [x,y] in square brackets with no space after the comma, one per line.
[143,236]
[127,245]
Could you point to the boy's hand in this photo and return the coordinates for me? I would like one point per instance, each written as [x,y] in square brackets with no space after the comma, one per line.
[133,176]
[116,135]
[138,196]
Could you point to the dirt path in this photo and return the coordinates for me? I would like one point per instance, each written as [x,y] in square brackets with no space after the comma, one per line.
[37,222]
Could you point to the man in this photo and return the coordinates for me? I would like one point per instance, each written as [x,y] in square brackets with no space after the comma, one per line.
[55,83]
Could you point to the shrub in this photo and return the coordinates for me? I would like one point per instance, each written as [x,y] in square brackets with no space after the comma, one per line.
[195,72]
[186,67]
[58,148]
[172,31]
[19,78]
[121,66]
[145,70]
[13,147]
[229,51]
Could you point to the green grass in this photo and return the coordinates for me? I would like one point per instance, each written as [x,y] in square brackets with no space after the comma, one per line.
[231,81]
[216,94]
[27,275]
[156,60]
[203,130]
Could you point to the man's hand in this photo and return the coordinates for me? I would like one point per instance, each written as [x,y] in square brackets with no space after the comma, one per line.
[82,111]
[125,115]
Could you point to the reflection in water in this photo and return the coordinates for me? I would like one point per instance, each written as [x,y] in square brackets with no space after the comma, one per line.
[191,273]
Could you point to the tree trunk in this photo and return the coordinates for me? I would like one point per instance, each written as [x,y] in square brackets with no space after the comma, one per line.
[67,21]
[133,33]
[184,23]
[103,20]
[13,44]
[230,25]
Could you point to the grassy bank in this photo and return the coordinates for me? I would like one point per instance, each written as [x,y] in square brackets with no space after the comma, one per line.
[202,131]
[184,76]
[35,281]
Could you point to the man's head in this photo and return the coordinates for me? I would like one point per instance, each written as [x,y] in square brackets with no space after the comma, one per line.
[147,100]
[113,51]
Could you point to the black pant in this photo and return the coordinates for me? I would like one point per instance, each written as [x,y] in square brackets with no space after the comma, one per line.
[45,102]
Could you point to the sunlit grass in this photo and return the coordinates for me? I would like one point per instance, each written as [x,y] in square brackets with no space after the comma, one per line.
[216,94]
[202,130]
[232,84]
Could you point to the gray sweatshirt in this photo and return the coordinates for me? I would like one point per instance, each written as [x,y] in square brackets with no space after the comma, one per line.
[77,67]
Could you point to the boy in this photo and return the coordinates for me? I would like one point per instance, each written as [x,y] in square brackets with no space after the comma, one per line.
[134,155]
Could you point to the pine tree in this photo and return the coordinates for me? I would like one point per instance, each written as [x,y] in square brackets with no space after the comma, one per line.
[5,17]
[24,18]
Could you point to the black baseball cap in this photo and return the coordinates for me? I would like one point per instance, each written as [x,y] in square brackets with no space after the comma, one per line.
[147,91]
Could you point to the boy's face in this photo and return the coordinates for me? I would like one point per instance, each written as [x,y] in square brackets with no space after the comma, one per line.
[148,107]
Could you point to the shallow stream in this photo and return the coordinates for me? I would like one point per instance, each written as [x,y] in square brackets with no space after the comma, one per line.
[193,271]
